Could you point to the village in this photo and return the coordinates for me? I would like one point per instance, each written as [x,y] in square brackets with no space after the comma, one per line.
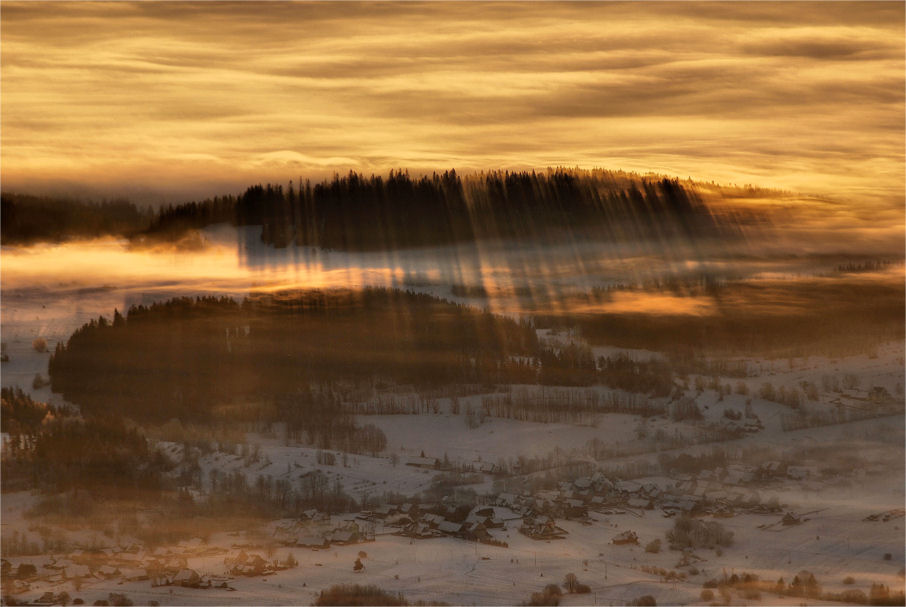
[776,481]
[630,521]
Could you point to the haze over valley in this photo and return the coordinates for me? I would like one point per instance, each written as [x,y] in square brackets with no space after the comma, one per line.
[470,304]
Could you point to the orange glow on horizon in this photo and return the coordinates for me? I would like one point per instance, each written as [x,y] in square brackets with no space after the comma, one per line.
[158,100]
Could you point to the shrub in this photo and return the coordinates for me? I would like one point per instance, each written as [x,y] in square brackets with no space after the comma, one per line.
[692,533]
[344,594]
[39,344]
[119,600]
[543,599]
[653,546]
[549,596]
[26,570]
[644,601]
[707,595]
[849,580]
[853,597]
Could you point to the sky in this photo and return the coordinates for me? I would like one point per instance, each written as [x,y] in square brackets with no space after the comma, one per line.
[168,100]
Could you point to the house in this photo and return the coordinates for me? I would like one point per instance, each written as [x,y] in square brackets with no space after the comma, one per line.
[482,511]
[639,503]
[582,484]
[349,533]
[419,531]
[506,499]
[449,527]
[343,536]
[433,519]
[627,537]
[250,565]
[502,516]
[628,486]
[651,490]
[574,508]
[542,530]
[476,532]
[188,578]
[399,520]
[384,511]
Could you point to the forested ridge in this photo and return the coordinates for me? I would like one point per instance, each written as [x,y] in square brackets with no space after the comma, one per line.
[27,219]
[354,212]
[358,212]
[282,356]
[181,357]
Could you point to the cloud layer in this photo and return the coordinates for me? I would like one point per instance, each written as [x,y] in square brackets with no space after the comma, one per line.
[184,97]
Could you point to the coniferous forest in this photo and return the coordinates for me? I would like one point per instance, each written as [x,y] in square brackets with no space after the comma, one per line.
[180,357]
[355,212]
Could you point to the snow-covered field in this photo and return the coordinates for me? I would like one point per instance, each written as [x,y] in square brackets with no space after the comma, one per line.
[825,479]
[835,542]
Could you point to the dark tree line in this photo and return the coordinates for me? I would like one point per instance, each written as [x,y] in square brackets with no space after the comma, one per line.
[576,408]
[182,357]
[172,221]
[355,212]
[653,376]
[232,493]
[572,365]
[53,451]
[27,219]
